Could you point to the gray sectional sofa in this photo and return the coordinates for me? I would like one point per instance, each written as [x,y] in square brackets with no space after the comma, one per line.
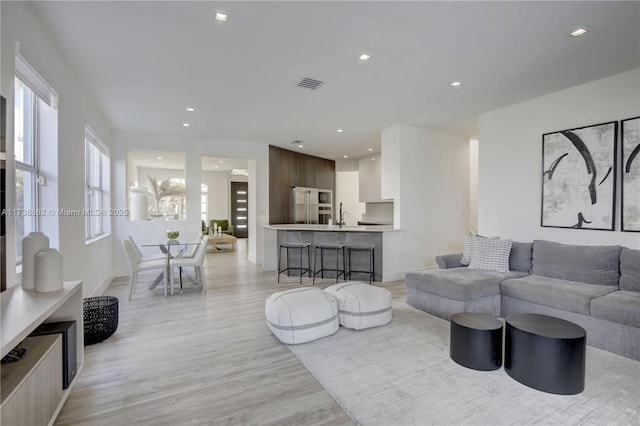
[597,287]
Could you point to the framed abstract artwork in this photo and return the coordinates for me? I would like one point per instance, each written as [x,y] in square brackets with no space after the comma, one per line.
[579,177]
[630,205]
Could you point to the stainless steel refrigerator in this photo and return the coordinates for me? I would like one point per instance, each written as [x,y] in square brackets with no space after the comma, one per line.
[305,205]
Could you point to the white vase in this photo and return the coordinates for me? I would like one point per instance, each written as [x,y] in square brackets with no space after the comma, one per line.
[48,271]
[31,244]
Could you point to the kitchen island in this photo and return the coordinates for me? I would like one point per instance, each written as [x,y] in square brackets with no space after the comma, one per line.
[273,235]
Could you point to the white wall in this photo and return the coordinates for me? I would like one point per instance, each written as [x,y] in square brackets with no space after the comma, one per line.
[92,264]
[346,165]
[347,187]
[474,149]
[195,149]
[218,196]
[431,196]
[509,193]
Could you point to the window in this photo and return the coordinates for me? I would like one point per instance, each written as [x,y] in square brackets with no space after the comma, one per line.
[204,200]
[36,153]
[96,186]
[26,159]
[156,185]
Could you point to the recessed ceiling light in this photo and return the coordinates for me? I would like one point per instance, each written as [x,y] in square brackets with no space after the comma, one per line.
[215,167]
[221,162]
[339,130]
[364,57]
[370,149]
[300,146]
[578,32]
[222,17]
[185,124]
[373,158]
[159,158]
[191,109]
[455,84]
[345,156]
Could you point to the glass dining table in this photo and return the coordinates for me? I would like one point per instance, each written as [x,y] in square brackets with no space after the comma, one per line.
[173,249]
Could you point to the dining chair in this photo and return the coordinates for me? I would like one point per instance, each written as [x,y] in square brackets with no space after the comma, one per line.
[138,264]
[145,256]
[196,261]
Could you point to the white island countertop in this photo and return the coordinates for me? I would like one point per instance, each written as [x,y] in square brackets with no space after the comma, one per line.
[334,228]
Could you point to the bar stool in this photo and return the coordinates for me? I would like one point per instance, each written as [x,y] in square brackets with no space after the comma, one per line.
[360,242]
[294,241]
[328,241]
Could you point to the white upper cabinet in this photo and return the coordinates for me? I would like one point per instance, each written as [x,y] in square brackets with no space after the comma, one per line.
[370,178]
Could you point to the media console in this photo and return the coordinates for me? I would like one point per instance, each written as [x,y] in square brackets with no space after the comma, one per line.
[22,312]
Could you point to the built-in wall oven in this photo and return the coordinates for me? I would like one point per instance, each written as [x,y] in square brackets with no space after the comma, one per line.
[325,206]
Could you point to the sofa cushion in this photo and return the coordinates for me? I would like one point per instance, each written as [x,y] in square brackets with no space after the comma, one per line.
[520,257]
[560,294]
[618,306]
[459,283]
[630,269]
[491,254]
[587,264]
[467,248]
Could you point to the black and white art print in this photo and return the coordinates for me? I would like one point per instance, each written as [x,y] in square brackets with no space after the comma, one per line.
[631,175]
[579,177]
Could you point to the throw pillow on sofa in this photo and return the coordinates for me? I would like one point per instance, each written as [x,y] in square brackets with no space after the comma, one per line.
[467,248]
[491,254]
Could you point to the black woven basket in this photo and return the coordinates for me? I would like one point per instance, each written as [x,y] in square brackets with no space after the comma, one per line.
[100,318]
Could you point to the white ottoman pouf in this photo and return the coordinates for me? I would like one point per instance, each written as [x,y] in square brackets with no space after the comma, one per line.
[301,315]
[361,305]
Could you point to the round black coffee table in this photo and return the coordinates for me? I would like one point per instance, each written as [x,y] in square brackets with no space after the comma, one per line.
[545,353]
[476,341]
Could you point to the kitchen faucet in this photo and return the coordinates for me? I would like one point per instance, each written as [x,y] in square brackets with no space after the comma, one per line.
[341,217]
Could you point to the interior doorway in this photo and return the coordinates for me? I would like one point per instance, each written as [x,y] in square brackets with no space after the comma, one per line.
[240,208]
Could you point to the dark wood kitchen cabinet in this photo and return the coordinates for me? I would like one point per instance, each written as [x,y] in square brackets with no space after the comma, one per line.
[288,169]
[325,174]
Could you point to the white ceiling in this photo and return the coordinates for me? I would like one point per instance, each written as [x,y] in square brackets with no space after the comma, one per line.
[145,62]
[217,164]
[156,160]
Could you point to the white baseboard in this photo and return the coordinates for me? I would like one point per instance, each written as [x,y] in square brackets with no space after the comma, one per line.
[103,286]
[393,276]
[124,272]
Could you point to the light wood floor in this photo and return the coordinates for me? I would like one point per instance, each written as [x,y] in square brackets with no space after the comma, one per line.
[193,360]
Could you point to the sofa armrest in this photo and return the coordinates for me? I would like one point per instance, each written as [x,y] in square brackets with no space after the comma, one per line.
[447,261]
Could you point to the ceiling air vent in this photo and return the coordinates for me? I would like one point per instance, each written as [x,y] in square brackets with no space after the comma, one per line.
[309,83]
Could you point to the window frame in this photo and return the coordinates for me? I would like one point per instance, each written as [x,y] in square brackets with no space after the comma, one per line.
[96,224]
[31,167]
[204,203]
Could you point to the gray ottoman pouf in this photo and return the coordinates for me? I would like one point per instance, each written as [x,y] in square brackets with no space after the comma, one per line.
[361,305]
[301,315]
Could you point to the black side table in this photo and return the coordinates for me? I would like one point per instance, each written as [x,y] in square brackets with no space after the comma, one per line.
[476,341]
[545,353]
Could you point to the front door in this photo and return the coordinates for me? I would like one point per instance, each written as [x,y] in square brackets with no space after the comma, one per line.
[240,208]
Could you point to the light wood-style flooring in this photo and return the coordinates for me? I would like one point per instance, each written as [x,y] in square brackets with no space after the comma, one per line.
[195,360]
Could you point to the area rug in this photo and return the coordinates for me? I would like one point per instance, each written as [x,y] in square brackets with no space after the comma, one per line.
[401,374]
